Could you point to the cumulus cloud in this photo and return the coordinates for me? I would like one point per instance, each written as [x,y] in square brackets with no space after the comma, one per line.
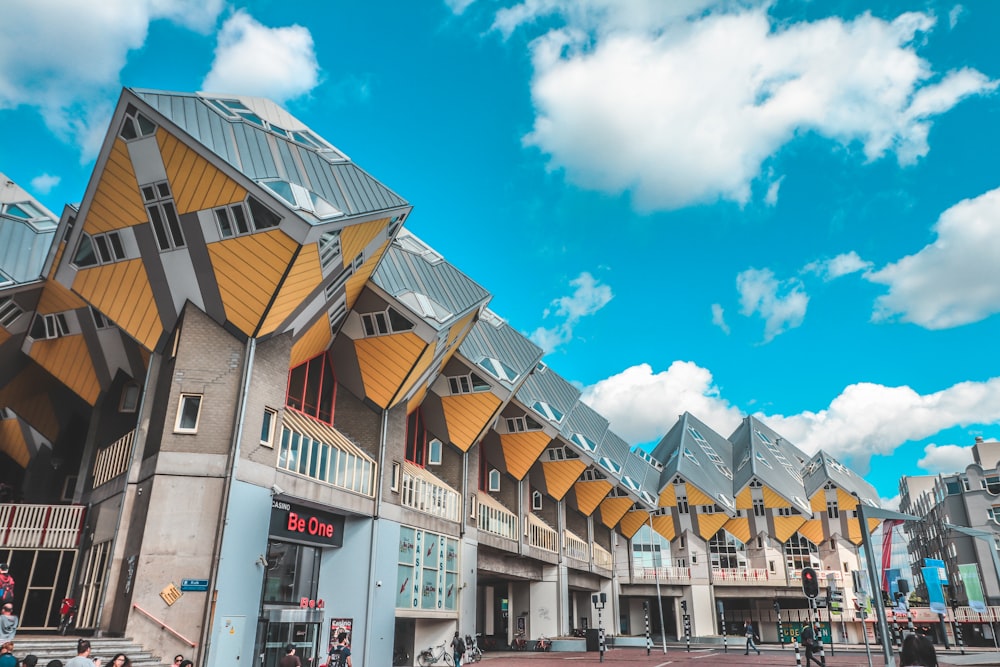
[719,318]
[254,59]
[945,458]
[889,504]
[64,57]
[782,304]
[950,282]
[871,419]
[589,297]
[841,265]
[43,183]
[642,405]
[683,103]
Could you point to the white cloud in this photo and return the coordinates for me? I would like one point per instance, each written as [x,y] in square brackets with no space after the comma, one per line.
[841,265]
[870,419]
[782,304]
[771,198]
[642,405]
[719,318]
[253,59]
[631,97]
[954,15]
[945,458]
[43,183]
[588,298]
[64,57]
[952,281]
[890,504]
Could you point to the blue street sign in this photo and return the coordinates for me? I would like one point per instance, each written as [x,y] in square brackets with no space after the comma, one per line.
[194,584]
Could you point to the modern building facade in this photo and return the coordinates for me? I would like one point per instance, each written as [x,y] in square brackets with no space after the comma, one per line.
[242,406]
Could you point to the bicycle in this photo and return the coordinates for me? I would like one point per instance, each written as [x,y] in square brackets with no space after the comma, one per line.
[472,651]
[429,656]
[67,615]
[519,643]
[543,643]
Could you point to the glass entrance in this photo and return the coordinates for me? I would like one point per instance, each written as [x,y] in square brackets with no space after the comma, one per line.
[278,635]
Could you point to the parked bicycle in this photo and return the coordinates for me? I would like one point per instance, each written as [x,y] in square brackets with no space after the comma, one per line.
[543,643]
[430,656]
[67,615]
[519,643]
[472,651]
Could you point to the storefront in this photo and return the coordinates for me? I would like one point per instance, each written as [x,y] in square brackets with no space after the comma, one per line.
[291,611]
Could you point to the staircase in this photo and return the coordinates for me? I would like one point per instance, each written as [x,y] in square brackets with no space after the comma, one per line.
[64,648]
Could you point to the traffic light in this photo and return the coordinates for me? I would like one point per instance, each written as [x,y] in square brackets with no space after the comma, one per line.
[777,607]
[684,606]
[810,583]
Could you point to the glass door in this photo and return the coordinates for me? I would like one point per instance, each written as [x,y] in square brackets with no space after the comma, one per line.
[278,635]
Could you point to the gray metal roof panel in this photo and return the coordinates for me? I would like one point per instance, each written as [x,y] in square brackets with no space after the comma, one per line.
[613,448]
[24,243]
[492,337]
[585,420]
[823,468]
[701,456]
[547,386]
[758,451]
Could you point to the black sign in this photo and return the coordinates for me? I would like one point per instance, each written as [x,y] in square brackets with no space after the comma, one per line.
[304,524]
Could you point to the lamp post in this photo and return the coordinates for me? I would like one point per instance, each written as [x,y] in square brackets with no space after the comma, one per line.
[599,601]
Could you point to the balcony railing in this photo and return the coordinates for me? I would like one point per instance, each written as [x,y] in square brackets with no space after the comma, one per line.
[738,574]
[602,557]
[113,459]
[796,575]
[422,491]
[576,547]
[496,519]
[541,536]
[41,526]
[652,574]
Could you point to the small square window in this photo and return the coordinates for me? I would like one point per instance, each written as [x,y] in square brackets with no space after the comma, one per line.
[394,480]
[494,481]
[188,413]
[267,427]
[434,448]
[130,398]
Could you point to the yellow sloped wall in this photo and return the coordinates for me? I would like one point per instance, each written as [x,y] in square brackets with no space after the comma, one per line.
[744,499]
[812,530]
[68,359]
[772,499]
[665,525]
[590,494]
[301,280]
[57,299]
[356,238]
[698,497]
[561,475]
[668,497]
[709,524]
[739,528]
[357,281]
[385,362]
[116,202]
[12,442]
[521,450]
[467,416]
[632,522]
[785,526]
[613,509]
[195,183]
[122,292]
[312,343]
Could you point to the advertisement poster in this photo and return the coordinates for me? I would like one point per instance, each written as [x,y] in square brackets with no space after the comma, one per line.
[338,625]
[973,587]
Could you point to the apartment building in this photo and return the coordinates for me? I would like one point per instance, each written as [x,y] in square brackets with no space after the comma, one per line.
[242,406]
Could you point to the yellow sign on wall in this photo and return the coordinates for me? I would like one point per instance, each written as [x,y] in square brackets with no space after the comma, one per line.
[170,594]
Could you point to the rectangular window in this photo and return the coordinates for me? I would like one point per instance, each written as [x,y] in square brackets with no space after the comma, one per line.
[536,500]
[243,218]
[758,508]
[100,321]
[9,312]
[515,424]
[831,509]
[267,423]
[771,566]
[130,398]
[434,447]
[163,215]
[394,479]
[428,571]
[494,481]
[292,573]
[188,413]
[682,504]
[46,327]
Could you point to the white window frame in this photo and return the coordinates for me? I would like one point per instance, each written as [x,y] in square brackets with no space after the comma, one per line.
[536,500]
[493,480]
[181,401]
[169,218]
[394,477]
[373,326]
[55,325]
[435,452]
[9,312]
[270,420]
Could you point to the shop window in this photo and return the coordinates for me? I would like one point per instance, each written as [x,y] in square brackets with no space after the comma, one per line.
[292,573]
[130,398]
[312,389]
[269,419]
[434,450]
[427,571]
[188,413]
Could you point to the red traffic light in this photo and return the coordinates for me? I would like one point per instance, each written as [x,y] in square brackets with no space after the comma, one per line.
[810,583]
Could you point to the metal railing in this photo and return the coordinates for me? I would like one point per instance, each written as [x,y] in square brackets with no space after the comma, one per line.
[112,460]
[602,557]
[541,536]
[575,547]
[426,496]
[796,575]
[651,574]
[41,526]
[164,626]
[739,574]
[497,520]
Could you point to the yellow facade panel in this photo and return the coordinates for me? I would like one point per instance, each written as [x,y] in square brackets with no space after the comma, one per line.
[68,359]
[422,364]
[4,335]
[416,400]
[872,525]
[818,501]
[304,276]
[613,509]
[521,450]
[772,499]
[738,528]
[744,499]
[195,182]
[698,497]
[668,497]
[632,522]
[12,442]
[709,524]
[665,525]
[812,530]
[122,292]
[26,396]
[385,363]
[590,494]
[357,282]
[561,475]
[312,343]
[854,531]
[116,202]
[57,299]
[846,501]
[356,238]
[785,526]
[467,416]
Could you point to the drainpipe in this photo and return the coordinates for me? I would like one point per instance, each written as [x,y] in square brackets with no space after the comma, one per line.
[383,438]
[231,465]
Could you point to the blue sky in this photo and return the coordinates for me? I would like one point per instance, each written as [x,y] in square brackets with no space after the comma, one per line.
[789,209]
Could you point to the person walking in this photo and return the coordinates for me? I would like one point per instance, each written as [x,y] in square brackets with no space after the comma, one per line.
[750,635]
[290,659]
[809,640]
[458,648]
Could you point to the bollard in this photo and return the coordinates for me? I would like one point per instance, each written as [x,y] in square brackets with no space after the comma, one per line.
[687,631]
[600,635]
[819,634]
[649,641]
[798,655]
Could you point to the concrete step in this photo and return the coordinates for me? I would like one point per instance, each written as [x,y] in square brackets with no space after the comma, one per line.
[53,647]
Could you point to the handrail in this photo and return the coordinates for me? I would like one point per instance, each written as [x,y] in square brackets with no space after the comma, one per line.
[164,626]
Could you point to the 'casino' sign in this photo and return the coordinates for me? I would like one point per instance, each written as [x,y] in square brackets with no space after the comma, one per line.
[297,523]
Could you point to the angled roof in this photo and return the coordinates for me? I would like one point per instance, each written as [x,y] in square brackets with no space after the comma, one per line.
[822,467]
[584,421]
[545,386]
[641,468]
[701,456]
[425,283]
[27,230]
[491,338]
[760,452]
[611,455]
[267,144]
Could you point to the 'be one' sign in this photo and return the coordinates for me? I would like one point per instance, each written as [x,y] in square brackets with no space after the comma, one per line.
[297,523]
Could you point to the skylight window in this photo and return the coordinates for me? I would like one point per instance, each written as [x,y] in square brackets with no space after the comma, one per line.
[610,465]
[630,483]
[299,197]
[29,213]
[760,457]
[583,442]
[763,438]
[689,455]
[648,458]
[547,411]
[498,369]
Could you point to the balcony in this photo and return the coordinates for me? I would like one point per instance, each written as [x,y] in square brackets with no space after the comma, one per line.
[795,577]
[649,575]
[541,536]
[739,575]
[494,518]
[113,460]
[602,557]
[576,547]
[41,526]
[422,491]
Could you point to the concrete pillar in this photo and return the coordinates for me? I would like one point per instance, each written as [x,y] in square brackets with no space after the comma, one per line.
[544,595]
[701,606]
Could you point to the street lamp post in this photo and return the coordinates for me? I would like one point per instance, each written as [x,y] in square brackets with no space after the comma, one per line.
[599,602]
